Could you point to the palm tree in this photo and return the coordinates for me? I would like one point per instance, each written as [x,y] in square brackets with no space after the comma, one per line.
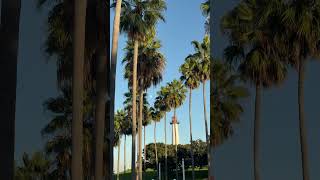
[176,96]
[300,37]
[191,80]
[150,68]
[34,167]
[202,54]
[101,89]
[9,37]
[253,51]
[156,115]
[77,88]
[127,130]
[146,121]
[138,18]
[58,134]
[205,7]
[162,103]
[60,39]
[113,68]
[227,94]
[128,109]
[120,128]
[211,161]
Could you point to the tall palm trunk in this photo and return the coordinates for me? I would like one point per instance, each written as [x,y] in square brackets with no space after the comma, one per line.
[134,109]
[256,135]
[118,168]
[101,74]
[124,153]
[206,122]
[175,136]
[212,119]
[190,124]
[145,147]
[302,128]
[9,43]
[165,146]
[140,134]
[77,88]
[155,145]
[112,76]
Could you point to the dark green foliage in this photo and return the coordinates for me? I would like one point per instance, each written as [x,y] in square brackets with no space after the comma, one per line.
[151,63]
[227,92]
[58,134]
[138,18]
[36,166]
[200,155]
[59,40]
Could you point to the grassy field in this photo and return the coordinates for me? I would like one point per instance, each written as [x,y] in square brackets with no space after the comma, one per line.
[200,174]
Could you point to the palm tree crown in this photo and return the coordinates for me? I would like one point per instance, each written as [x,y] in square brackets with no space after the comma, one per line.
[150,66]
[139,17]
[202,54]
[190,73]
[227,95]
[176,93]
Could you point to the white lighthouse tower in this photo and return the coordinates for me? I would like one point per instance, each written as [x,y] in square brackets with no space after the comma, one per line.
[175,131]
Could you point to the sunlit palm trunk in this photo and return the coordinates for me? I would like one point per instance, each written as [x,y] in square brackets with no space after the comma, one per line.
[9,43]
[112,77]
[118,164]
[256,134]
[124,153]
[302,128]
[155,145]
[206,122]
[190,124]
[165,146]
[77,89]
[101,75]
[140,134]
[134,109]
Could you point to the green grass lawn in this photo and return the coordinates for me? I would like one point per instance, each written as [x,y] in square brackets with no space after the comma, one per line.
[200,174]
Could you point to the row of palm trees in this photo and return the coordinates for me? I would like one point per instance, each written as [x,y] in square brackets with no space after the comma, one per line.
[75,68]
[267,38]
[151,64]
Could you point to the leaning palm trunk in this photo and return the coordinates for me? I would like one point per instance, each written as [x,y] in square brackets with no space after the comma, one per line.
[302,128]
[155,145]
[112,77]
[140,135]
[101,74]
[9,42]
[256,135]
[165,146]
[206,122]
[118,168]
[134,109]
[77,88]
[191,142]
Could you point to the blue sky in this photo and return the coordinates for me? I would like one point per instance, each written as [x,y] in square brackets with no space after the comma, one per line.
[184,23]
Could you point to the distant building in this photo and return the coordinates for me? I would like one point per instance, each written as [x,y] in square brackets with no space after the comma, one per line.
[175,131]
